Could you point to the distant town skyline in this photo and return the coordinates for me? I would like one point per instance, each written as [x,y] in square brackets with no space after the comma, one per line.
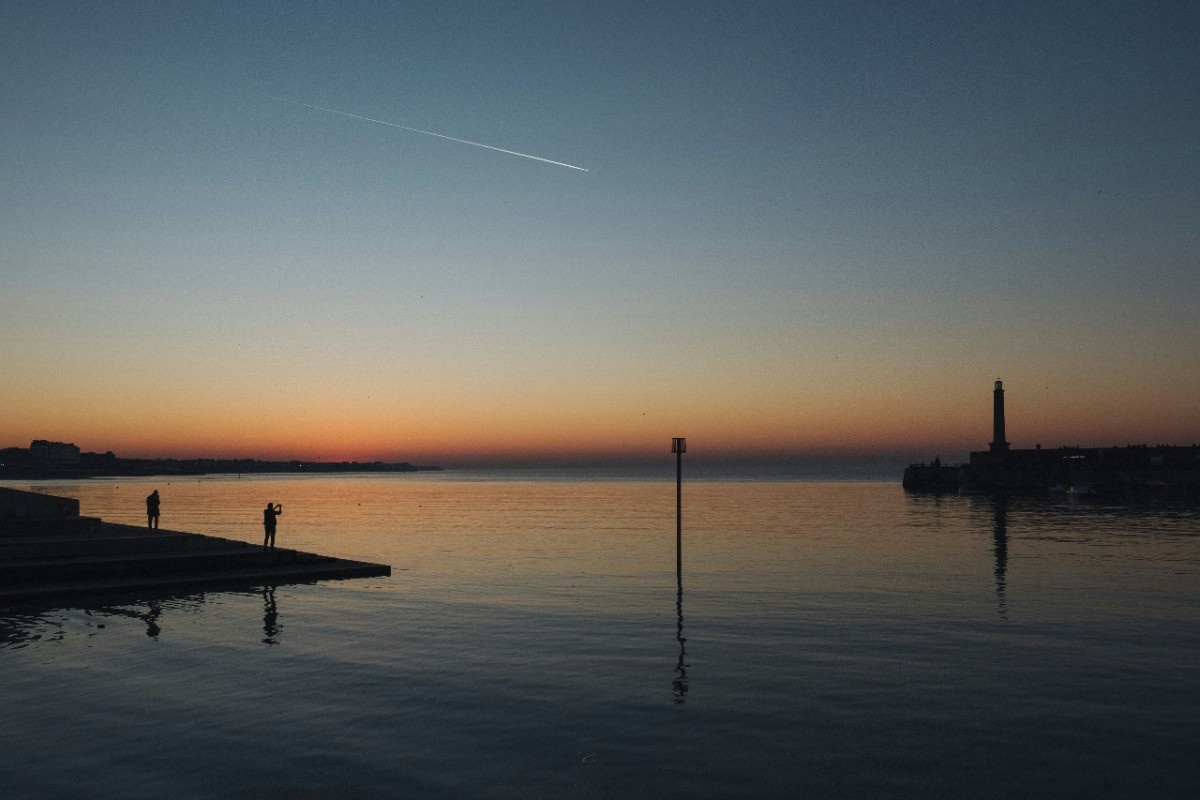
[807,231]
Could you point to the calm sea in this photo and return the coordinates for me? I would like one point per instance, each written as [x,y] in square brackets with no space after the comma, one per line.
[824,640]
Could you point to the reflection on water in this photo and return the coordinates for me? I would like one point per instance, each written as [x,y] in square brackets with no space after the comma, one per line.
[21,628]
[847,640]
[150,616]
[1000,549]
[24,625]
[271,626]
[679,686]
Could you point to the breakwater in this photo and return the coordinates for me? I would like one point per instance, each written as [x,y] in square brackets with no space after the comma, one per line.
[1160,470]
[1135,469]
[47,549]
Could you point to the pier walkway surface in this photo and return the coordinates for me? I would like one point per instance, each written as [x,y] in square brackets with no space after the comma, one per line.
[47,550]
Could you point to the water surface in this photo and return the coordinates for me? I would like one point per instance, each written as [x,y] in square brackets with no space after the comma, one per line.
[534,640]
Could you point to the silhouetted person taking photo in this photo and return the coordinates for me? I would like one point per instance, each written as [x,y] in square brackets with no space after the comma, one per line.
[152,510]
[269,515]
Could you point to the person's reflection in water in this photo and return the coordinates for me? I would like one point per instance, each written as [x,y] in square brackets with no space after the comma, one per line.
[271,626]
[151,619]
[1000,549]
[154,610]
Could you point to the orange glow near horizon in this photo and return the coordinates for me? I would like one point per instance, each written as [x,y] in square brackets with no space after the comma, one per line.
[581,429]
[492,403]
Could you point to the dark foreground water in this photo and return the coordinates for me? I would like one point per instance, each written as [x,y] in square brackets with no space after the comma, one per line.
[837,640]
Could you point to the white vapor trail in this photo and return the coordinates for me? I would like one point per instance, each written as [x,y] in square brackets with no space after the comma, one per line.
[427,133]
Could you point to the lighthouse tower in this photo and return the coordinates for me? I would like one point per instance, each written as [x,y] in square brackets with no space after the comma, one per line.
[998,444]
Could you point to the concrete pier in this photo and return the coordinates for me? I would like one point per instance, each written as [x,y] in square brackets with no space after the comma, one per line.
[48,550]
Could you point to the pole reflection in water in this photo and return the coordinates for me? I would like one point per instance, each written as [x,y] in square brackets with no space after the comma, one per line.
[679,686]
[271,626]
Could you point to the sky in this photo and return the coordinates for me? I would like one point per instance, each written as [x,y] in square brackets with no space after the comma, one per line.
[807,231]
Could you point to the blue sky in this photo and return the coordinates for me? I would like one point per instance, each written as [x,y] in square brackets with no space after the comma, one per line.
[806,227]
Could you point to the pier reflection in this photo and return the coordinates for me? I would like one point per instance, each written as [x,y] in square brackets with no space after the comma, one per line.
[996,507]
[29,624]
[1058,526]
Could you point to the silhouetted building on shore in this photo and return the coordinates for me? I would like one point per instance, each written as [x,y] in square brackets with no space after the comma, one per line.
[1133,469]
[58,453]
[44,459]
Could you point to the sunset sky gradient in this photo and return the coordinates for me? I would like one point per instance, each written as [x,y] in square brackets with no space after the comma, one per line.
[808,230]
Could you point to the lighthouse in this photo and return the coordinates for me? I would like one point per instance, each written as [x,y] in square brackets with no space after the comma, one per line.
[998,444]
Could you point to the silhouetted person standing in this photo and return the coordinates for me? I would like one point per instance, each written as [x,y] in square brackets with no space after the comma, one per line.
[269,515]
[152,510]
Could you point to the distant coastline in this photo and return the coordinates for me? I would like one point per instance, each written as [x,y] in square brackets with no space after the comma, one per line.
[58,461]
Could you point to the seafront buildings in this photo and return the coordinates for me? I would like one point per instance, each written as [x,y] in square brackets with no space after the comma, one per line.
[58,460]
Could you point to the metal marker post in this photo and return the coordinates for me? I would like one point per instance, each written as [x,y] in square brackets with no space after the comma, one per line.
[679,447]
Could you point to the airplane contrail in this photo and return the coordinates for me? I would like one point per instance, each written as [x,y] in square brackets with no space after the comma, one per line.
[427,133]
